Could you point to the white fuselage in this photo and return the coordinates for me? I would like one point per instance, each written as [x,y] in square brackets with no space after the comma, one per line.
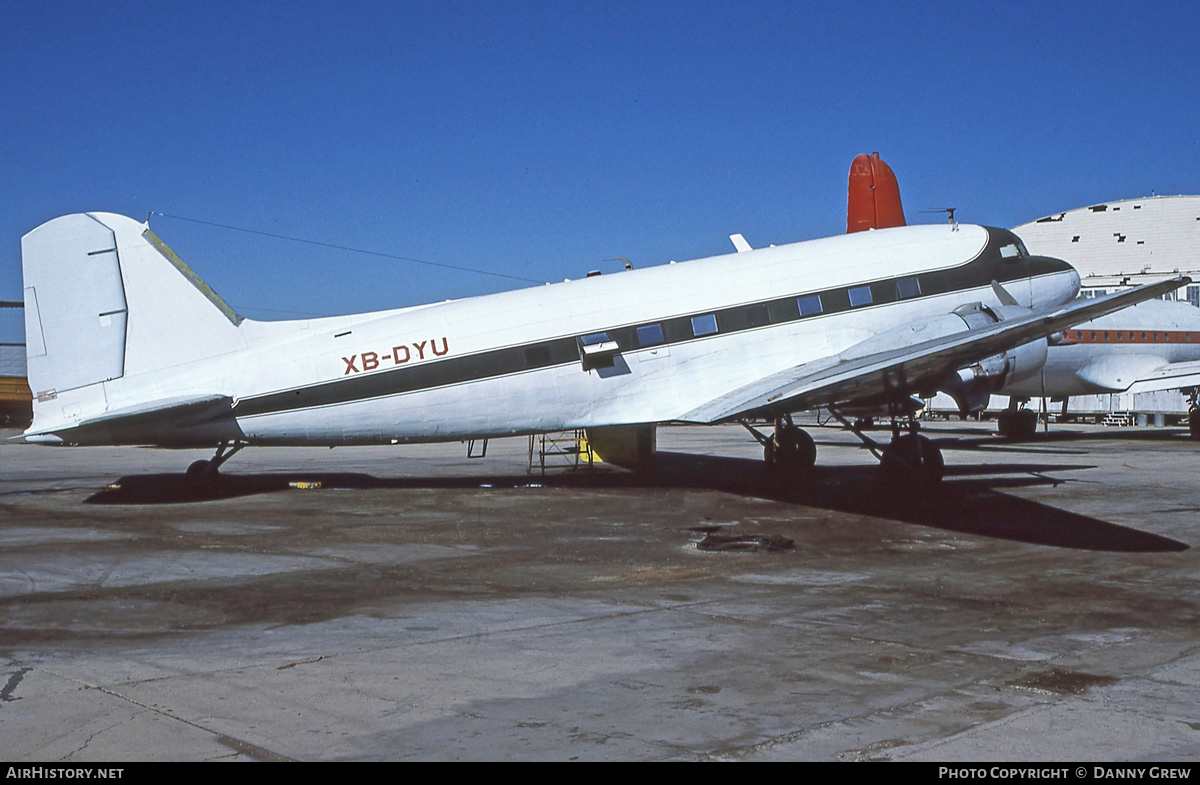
[509,363]
[1113,352]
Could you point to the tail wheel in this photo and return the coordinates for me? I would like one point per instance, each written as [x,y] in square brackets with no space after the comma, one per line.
[198,469]
[203,473]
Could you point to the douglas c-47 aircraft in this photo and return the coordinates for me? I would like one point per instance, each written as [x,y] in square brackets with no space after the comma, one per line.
[126,345]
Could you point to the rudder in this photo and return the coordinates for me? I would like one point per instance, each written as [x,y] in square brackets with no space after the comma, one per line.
[75,308]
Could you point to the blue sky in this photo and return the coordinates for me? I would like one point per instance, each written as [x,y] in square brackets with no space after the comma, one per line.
[536,139]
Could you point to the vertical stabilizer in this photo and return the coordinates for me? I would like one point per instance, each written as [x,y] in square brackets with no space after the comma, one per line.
[107,300]
[873,200]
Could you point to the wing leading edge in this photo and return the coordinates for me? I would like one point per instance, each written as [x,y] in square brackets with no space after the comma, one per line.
[878,376]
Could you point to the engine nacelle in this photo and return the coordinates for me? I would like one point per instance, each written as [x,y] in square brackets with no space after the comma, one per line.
[971,387]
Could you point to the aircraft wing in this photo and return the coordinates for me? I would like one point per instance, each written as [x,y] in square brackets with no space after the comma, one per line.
[876,377]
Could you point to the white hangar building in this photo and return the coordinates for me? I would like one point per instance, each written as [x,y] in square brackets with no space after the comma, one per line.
[1121,244]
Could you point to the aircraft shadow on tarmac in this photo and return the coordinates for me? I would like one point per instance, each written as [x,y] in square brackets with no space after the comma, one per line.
[966,437]
[968,501]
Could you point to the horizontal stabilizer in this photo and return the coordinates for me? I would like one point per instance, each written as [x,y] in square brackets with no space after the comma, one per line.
[171,412]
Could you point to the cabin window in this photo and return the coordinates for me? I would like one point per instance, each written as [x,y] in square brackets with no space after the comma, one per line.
[908,287]
[1010,251]
[650,335]
[757,315]
[860,295]
[810,304]
[701,325]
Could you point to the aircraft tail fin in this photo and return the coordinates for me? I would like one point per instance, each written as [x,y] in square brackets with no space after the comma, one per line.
[106,299]
[873,201]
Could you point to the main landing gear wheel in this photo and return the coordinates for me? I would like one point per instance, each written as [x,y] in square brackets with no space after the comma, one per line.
[790,450]
[1017,425]
[912,457]
[909,457]
[1194,423]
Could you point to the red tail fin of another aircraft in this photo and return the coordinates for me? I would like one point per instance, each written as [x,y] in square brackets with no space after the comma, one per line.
[874,196]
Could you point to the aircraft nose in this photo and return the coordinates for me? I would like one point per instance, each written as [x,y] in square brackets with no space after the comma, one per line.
[1063,279]
[1071,275]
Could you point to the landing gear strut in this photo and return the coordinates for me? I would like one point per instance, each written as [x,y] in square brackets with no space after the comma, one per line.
[208,470]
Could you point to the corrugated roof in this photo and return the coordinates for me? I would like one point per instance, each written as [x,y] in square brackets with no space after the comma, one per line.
[12,359]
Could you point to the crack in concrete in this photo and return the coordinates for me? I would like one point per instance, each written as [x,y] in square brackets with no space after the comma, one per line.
[242,746]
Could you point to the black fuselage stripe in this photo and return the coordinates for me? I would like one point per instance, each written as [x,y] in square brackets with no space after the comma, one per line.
[980,272]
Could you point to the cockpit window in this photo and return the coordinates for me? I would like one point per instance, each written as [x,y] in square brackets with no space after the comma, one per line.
[1014,248]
